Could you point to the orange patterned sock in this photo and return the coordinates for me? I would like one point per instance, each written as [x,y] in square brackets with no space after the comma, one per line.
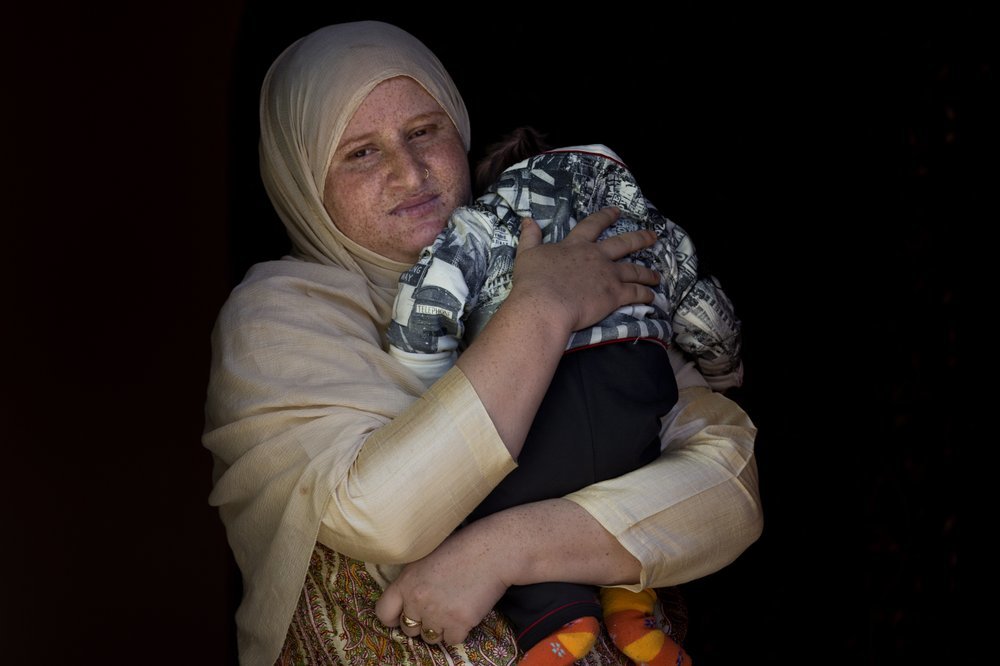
[633,628]
[565,645]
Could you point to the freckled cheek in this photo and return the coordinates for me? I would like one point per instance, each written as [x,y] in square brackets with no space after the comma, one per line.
[359,197]
[452,165]
[456,182]
[461,193]
[352,207]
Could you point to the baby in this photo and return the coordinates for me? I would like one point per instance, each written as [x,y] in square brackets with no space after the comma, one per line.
[601,415]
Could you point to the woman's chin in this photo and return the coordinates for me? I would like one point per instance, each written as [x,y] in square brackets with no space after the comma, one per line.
[426,233]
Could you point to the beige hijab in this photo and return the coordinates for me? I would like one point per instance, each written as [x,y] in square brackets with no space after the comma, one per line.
[309,95]
[299,376]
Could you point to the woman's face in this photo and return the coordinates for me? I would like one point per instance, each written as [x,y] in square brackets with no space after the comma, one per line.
[399,171]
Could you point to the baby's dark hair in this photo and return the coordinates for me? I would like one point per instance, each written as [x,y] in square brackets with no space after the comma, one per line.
[518,145]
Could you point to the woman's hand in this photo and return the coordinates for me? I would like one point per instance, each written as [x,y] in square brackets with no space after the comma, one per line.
[450,591]
[580,277]
[558,288]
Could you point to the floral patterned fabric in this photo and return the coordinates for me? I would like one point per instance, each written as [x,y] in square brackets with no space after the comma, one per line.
[335,624]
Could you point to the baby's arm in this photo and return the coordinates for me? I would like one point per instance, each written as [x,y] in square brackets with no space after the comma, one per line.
[704,322]
[435,295]
[706,327]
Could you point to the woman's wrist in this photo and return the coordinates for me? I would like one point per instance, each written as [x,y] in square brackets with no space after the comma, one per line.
[552,540]
[544,307]
[510,365]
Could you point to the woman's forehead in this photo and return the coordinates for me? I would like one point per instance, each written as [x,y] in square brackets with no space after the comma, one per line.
[393,102]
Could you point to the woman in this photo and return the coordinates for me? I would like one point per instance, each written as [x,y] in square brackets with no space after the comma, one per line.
[334,467]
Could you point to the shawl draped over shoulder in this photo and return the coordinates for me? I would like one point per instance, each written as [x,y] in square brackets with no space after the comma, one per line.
[298,349]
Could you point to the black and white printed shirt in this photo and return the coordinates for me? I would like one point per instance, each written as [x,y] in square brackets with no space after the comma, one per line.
[465,275]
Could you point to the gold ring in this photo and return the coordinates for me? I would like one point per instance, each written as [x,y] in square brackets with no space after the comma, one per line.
[430,635]
[408,622]
[427,173]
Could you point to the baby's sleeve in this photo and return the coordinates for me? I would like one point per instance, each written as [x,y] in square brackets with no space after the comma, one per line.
[435,295]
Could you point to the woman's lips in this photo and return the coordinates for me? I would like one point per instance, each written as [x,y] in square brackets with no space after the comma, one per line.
[417,206]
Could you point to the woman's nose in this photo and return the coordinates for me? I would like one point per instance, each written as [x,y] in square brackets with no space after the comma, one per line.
[409,170]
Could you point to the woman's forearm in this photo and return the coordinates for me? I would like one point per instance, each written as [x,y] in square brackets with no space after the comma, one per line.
[445,434]
[511,364]
[553,540]
[685,515]
[455,586]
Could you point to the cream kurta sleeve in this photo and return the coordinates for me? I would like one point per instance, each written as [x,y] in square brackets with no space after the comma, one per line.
[696,508]
[443,452]
[299,393]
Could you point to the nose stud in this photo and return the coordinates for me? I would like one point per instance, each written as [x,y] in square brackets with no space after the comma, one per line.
[427,173]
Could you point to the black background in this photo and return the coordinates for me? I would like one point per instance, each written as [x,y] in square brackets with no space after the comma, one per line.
[835,168]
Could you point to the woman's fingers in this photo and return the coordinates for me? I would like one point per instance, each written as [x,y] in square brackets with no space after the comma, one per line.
[448,592]
[591,227]
[594,224]
[638,274]
[625,244]
[389,610]
[580,280]
[431,636]
[410,623]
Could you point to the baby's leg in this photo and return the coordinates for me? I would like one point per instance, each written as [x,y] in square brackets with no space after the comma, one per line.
[564,646]
[633,628]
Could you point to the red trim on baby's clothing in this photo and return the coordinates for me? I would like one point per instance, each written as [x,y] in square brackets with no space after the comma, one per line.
[552,612]
[572,149]
[619,341]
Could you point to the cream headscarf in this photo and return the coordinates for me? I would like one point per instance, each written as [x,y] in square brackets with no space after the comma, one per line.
[309,95]
[300,377]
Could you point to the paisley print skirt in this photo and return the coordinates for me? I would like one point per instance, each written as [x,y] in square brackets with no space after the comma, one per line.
[335,624]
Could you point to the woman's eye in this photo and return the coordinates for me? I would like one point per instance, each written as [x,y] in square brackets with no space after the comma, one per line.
[359,153]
